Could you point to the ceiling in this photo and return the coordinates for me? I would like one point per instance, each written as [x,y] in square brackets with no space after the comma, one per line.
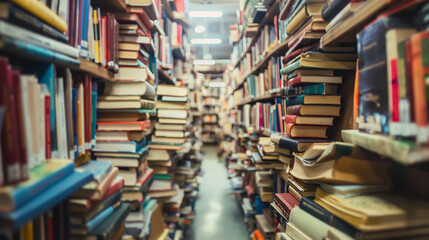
[215,27]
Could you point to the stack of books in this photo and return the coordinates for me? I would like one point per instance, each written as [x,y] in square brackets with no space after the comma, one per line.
[96,209]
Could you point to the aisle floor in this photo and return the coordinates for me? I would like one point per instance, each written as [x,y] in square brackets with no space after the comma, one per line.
[217,213]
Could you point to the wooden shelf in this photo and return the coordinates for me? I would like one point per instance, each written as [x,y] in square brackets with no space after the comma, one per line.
[261,98]
[110,5]
[166,78]
[95,70]
[208,114]
[277,51]
[346,31]
[268,18]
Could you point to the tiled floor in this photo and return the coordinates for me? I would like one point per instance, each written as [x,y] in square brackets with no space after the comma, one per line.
[217,213]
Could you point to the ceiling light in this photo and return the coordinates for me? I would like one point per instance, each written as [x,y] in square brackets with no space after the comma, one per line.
[217,84]
[200,29]
[206,41]
[205,14]
[204,62]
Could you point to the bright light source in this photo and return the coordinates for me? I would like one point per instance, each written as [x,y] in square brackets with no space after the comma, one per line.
[216,84]
[206,41]
[204,62]
[205,14]
[200,29]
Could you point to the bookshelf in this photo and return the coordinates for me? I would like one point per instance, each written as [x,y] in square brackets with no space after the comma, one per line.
[83,162]
[262,139]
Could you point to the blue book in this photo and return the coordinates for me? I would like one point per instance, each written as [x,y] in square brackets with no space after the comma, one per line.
[41,178]
[93,223]
[99,171]
[56,193]
[31,51]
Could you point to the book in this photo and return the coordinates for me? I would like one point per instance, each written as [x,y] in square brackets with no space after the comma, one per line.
[98,192]
[137,88]
[334,171]
[15,32]
[172,113]
[170,105]
[314,79]
[168,133]
[15,14]
[312,226]
[378,206]
[158,155]
[130,146]
[40,179]
[166,120]
[99,170]
[294,145]
[134,74]
[307,63]
[90,225]
[123,126]
[41,11]
[343,14]
[174,127]
[310,10]
[308,131]
[309,120]
[46,200]
[331,9]
[315,110]
[313,99]
[110,225]
[308,205]
[311,89]
[136,136]
[170,90]
[126,104]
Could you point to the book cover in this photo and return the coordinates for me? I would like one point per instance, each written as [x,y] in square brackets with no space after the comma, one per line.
[110,225]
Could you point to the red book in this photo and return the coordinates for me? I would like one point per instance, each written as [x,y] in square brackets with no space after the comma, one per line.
[115,186]
[71,30]
[286,201]
[103,39]
[116,45]
[10,132]
[144,177]
[110,31]
[21,135]
[291,55]
[87,90]
[48,142]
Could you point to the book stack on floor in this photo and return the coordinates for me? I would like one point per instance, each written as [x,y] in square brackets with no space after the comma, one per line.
[96,210]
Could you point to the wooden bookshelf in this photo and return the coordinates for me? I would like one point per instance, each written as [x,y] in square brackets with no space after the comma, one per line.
[262,98]
[111,5]
[174,16]
[95,70]
[346,31]
[268,18]
[277,51]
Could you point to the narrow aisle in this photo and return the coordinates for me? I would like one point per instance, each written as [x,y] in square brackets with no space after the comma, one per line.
[217,213]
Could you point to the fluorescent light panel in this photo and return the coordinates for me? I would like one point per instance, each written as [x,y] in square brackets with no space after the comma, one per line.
[200,29]
[205,14]
[204,62]
[206,41]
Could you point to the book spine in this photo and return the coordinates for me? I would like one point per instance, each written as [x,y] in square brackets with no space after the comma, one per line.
[41,11]
[287,143]
[296,80]
[71,31]
[21,137]
[22,17]
[18,33]
[113,198]
[298,100]
[48,141]
[419,87]
[93,118]
[332,8]
[87,111]
[22,195]
[290,119]
[324,215]
[99,218]
[110,30]
[293,110]
[9,135]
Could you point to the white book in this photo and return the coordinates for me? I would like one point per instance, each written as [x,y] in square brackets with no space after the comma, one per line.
[54,6]
[44,93]
[63,10]
[15,32]
[24,81]
[61,119]
[37,120]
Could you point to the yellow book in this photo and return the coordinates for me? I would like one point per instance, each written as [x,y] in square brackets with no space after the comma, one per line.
[96,37]
[26,231]
[42,12]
